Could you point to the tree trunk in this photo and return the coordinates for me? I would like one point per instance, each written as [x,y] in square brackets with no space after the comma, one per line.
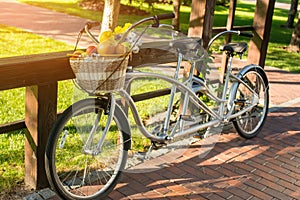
[176,20]
[295,41]
[110,14]
[292,14]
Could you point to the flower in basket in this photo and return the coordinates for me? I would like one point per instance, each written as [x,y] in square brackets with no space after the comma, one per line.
[113,42]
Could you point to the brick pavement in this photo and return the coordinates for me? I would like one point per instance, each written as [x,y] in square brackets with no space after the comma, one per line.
[266,167]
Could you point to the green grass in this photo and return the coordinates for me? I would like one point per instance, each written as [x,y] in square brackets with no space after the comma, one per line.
[16,42]
[11,161]
[284,1]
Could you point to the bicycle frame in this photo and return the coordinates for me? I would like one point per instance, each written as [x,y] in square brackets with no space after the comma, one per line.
[217,117]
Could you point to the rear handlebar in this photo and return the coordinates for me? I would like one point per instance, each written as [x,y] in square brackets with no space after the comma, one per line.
[244,34]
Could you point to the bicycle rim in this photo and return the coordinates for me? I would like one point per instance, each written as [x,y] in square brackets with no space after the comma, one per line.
[77,169]
[250,123]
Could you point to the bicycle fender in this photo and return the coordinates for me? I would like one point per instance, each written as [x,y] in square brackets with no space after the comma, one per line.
[256,68]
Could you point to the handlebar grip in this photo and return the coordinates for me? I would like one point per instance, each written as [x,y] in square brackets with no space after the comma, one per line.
[165,16]
[90,25]
[246,34]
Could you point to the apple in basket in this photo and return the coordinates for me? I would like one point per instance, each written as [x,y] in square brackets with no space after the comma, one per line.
[76,54]
[106,47]
[90,50]
[120,49]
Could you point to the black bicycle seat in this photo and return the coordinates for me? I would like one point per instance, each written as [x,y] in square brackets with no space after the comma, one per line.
[238,47]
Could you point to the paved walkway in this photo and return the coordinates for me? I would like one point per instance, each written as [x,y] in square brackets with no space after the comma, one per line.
[58,26]
[266,167]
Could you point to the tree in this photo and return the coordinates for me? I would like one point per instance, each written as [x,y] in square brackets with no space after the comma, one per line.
[295,41]
[292,14]
[176,21]
[110,14]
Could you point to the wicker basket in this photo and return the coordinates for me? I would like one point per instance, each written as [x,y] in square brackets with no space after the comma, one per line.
[100,74]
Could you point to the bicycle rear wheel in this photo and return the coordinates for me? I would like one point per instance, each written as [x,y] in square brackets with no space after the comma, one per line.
[77,168]
[249,124]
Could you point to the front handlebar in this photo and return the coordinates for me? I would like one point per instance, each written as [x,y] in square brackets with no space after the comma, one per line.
[155,18]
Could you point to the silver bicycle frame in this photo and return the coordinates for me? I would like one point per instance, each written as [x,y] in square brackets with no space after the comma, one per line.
[221,115]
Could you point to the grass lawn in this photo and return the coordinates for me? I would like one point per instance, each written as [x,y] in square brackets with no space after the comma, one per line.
[12,101]
[284,1]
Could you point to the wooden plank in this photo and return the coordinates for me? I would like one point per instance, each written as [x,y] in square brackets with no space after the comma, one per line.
[12,126]
[152,55]
[29,70]
[22,71]
[150,95]
[41,105]
[240,28]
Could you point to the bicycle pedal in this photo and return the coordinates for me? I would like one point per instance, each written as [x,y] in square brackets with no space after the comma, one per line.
[198,136]
[157,145]
[188,118]
[239,102]
[141,156]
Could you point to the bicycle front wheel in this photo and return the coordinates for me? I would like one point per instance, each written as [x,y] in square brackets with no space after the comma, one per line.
[82,162]
[249,124]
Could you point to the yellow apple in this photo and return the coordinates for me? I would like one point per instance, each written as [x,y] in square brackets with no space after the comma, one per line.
[120,49]
[106,47]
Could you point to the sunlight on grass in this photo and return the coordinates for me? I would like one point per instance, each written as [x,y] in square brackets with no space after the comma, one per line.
[20,42]
[16,42]
[11,161]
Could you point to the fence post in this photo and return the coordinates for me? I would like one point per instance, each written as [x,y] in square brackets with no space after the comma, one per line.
[201,20]
[229,26]
[262,23]
[41,109]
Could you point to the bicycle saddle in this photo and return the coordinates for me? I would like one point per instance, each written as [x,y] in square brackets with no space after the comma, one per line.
[239,47]
[186,44]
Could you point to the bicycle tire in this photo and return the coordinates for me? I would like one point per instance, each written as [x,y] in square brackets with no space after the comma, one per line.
[249,124]
[72,171]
